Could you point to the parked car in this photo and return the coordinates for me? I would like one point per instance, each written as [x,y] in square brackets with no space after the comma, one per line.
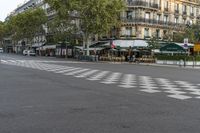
[25,52]
[31,53]
[1,50]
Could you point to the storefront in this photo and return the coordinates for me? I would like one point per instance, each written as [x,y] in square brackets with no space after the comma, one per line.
[47,50]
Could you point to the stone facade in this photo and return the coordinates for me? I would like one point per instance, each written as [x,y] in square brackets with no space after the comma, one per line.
[146,18]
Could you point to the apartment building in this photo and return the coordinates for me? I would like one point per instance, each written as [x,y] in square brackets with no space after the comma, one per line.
[146,18]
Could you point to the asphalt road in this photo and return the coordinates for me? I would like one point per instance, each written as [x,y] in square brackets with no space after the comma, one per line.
[47,95]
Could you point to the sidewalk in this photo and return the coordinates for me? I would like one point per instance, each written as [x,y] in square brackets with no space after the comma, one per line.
[132,63]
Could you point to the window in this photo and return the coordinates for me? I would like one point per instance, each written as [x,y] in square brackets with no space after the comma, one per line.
[157,33]
[166,4]
[191,9]
[176,7]
[129,15]
[184,9]
[128,31]
[146,32]
[147,15]
[176,20]
[158,17]
[165,19]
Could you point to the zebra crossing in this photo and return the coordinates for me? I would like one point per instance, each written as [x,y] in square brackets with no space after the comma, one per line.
[181,90]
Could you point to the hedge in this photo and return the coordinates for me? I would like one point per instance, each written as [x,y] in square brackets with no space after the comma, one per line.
[178,57]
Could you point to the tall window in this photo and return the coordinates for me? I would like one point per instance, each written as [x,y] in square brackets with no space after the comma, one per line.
[146,32]
[165,19]
[176,20]
[129,15]
[157,33]
[128,31]
[192,10]
[184,9]
[176,7]
[166,5]
[158,18]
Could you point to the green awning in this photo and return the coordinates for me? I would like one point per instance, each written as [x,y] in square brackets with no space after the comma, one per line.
[172,47]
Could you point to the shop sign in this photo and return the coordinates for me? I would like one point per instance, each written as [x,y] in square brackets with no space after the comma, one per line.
[197,47]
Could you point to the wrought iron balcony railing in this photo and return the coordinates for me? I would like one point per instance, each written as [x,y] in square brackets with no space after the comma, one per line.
[144,4]
[151,22]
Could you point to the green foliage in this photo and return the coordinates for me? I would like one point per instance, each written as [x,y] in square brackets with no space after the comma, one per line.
[193,33]
[1,30]
[99,16]
[26,24]
[96,17]
[178,37]
[177,57]
[153,43]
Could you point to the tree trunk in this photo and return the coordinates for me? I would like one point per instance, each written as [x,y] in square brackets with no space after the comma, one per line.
[88,43]
[83,46]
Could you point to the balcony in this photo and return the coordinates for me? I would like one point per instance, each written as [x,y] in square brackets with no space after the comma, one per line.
[184,13]
[155,22]
[166,9]
[176,11]
[144,4]
[192,14]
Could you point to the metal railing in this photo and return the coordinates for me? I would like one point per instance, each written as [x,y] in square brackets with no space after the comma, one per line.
[141,20]
[144,4]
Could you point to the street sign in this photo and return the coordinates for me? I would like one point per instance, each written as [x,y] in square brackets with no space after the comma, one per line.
[197,47]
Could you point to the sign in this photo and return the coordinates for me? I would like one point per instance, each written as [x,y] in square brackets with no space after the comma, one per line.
[197,47]
[112,45]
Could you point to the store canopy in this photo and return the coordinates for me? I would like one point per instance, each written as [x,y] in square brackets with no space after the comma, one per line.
[172,47]
[47,47]
[129,43]
[36,45]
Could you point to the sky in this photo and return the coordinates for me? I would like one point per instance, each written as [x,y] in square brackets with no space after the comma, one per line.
[7,6]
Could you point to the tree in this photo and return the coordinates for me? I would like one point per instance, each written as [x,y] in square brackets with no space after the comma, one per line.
[27,25]
[193,33]
[153,43]
[97,17]
[168,35]
[62,26]
[178,37]
[1,31]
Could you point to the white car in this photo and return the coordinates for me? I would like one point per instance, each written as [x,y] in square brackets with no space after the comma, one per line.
[1,50]
[31,53]
[25,52]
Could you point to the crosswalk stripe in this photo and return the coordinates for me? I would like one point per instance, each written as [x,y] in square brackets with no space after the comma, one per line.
[76,72]
[86,74]
[98,76]
[113,78]
[4,61]
[68,70]
[128,81]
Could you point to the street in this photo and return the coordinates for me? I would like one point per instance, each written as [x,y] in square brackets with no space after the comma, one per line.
[49,95]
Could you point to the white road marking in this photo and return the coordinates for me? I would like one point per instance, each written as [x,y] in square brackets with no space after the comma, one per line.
[128,81]
[68,70]
[148,85]
[76,72]
[86,74]
[180,97]
[98,76]
[173,89]
[112,79]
